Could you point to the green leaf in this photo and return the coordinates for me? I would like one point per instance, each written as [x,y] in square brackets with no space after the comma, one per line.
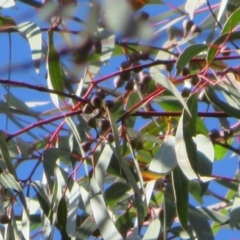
[32,33]
[73,205]
[231,111]
[55,79]
[213,215]
[200,224]
[100,213]
[6,156]
[234,220]
[205,153]
[50,157]
[7,4]
[8,181]
[192,5]
[213,49]
[232,22]
[125,222]
[187,54]
[153,229]
[143,137]
[62,215]
[102,165]
[86,229]
[180,188]
[115,192]
[165,159]
[185,148]
[159,78]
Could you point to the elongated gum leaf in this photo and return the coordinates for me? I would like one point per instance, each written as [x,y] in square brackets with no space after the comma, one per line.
[32,33]
[185,148]
[54,79]
[180,188]
[187,54]
[101,215]
[165,82]
[232,22]
[213,49]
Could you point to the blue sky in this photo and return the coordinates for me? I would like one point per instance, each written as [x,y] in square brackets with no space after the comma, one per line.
[21,53]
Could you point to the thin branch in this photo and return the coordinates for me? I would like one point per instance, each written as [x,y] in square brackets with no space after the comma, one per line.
[42,89]
[178,114]
[40,123]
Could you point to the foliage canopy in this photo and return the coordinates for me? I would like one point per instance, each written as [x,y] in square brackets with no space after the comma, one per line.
[116,142]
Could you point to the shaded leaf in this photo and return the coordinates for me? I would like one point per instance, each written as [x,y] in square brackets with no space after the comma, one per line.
[231,111]
[180,188]
[187,54]
[213,49]
[32,33]
[200,224]
[234,220]
[54,78]
[115,192]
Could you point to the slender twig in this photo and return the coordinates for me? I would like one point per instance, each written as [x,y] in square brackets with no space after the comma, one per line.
[42,89]
[40,123]
[178,114]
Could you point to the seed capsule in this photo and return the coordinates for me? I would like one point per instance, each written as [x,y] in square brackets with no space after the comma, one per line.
[88,108]
[91,122]
[96,101]
[104,125]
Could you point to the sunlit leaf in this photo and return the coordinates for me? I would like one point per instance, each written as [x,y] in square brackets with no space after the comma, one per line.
[101,215]
[165,82]
[7,3]
[192,5]
[165,159]
[185,148]
[33,34]
[200,224]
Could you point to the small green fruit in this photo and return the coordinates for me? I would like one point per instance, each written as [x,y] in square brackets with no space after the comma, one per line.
[185,72]
[4,219]
[104,125]
[141,16]
[129,86]
[98,113]
[134,57]
[96,101]
[187,24]
[186,92]
[86,146]
[144,55]
[118,82]
[214,134]
[98,46]
[109,104]
[88,108]
[91,122]
[110,137]
[194,80]
[225,51]
[195,29]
